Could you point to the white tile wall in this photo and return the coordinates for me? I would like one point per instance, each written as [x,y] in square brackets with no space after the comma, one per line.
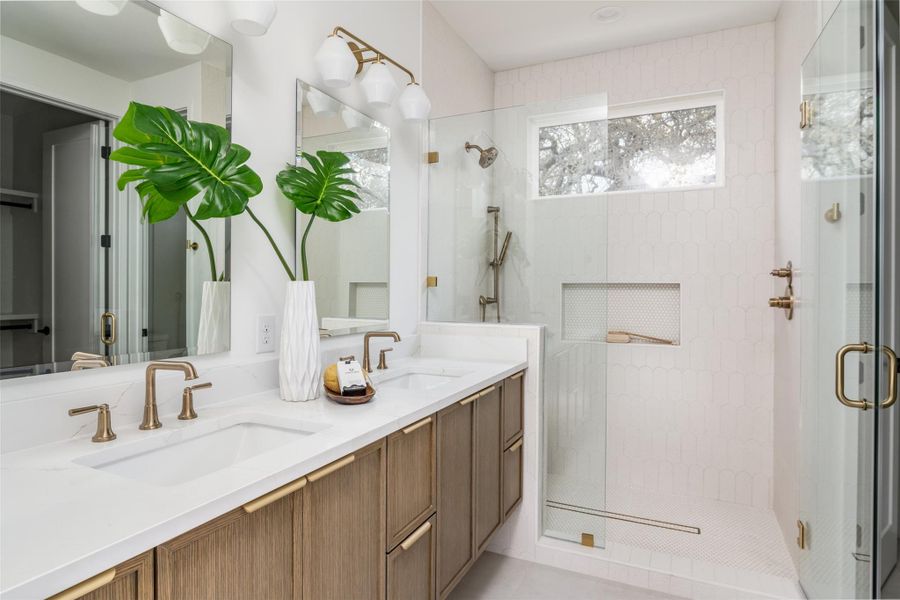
[695,420]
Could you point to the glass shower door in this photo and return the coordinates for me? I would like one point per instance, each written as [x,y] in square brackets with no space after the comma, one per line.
[839,302]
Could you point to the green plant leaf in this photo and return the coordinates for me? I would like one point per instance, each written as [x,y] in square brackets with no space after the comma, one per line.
[321,189]
[156,208]
[183,159]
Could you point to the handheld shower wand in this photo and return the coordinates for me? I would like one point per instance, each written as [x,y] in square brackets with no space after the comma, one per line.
[495,264]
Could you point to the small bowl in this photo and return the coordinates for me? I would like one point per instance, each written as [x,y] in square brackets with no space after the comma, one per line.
[341,399]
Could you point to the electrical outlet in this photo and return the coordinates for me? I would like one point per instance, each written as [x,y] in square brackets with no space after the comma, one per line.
[265,334]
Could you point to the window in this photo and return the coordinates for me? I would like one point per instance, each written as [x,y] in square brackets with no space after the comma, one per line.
[667,144]
[372,176]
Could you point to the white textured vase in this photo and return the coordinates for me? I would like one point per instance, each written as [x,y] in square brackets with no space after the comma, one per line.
[214,330]
[299,365]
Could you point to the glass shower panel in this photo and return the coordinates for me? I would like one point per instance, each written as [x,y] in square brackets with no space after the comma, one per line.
[839,307]
[553,274]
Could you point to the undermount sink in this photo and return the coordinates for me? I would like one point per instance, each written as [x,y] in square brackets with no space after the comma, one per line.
[416,380]
[187,457]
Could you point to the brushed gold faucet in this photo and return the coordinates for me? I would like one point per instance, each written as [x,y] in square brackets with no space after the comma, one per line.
[151,415]
[104,431]
[374,334]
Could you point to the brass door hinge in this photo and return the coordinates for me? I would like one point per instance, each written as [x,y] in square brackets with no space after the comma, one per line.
[433,157]
[587,539]
[431,281]
[805,114]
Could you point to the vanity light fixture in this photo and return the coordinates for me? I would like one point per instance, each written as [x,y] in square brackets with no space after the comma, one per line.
[252,17]
[106,8]
[340,60]
[378,85]
[181,36]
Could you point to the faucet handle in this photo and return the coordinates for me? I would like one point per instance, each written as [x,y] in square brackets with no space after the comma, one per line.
[187,401]
[382,359]
[104,425]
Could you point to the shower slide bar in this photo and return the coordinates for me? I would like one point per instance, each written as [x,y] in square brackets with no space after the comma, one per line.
[596,512]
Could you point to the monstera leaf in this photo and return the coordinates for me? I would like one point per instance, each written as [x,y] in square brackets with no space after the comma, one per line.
[320,190]
[177,159]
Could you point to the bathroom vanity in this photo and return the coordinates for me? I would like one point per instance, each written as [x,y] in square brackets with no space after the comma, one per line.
[393,499]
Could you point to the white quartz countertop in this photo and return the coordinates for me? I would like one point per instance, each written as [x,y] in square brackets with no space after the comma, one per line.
[62,522]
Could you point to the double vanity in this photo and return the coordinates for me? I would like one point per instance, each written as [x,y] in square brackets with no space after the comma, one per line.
[260,498]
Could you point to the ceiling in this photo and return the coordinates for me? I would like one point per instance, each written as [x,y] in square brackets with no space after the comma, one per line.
[127,46]
[508,34]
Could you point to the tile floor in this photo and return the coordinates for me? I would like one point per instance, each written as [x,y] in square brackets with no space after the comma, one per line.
[496,577]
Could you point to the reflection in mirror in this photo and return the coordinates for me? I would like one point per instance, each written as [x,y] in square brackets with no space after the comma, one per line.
[85,281]
[349,260]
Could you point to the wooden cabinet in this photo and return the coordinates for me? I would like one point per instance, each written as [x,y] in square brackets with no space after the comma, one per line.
[343,528]
[512,477]
[403,518]
[249,552]
[512,408]
[411,482]
[455,548]
[130,580]
[488,465]
[411,565]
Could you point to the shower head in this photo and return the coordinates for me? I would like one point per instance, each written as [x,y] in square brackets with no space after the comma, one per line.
[487,157]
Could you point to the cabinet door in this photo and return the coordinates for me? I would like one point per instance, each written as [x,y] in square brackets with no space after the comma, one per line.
[343,528]
[410,566]
[512,477]
[488,465]
[130,580]
[237,556]
[410,479]
[512,407]
[455,548]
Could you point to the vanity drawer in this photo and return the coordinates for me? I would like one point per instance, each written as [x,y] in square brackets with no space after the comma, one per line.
[130,580]
[410,566]
[512,407]
[411,482]
[512,477]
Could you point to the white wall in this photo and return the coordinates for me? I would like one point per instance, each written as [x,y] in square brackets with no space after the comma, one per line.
[458,81]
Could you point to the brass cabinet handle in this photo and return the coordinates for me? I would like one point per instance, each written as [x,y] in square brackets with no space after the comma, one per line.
[276,494]
[517,445]
[324,471]
[418,425]
[892,377]
[862,347]
[86,587]
[487,391]
[518,375]
[110,318]
[468,400]
[416,535]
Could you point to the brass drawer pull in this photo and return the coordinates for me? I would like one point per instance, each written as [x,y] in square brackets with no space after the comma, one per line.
[416,535]
[276,494]
[86,587]
[335,466]
[487,391]
[418,425]
[517,445]
[469,400]
[518,375]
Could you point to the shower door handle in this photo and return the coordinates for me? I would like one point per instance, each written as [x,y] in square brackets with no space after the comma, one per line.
[108,328]
[892,378]
[863,347]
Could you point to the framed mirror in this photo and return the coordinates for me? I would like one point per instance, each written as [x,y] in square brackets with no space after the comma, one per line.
[85,281]
[348,260]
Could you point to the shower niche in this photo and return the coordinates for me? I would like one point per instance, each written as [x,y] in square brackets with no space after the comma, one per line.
[635,313]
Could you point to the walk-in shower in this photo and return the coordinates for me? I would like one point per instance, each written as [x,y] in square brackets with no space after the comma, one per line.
[641,454]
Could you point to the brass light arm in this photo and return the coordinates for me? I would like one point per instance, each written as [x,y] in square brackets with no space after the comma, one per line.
[367,47]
